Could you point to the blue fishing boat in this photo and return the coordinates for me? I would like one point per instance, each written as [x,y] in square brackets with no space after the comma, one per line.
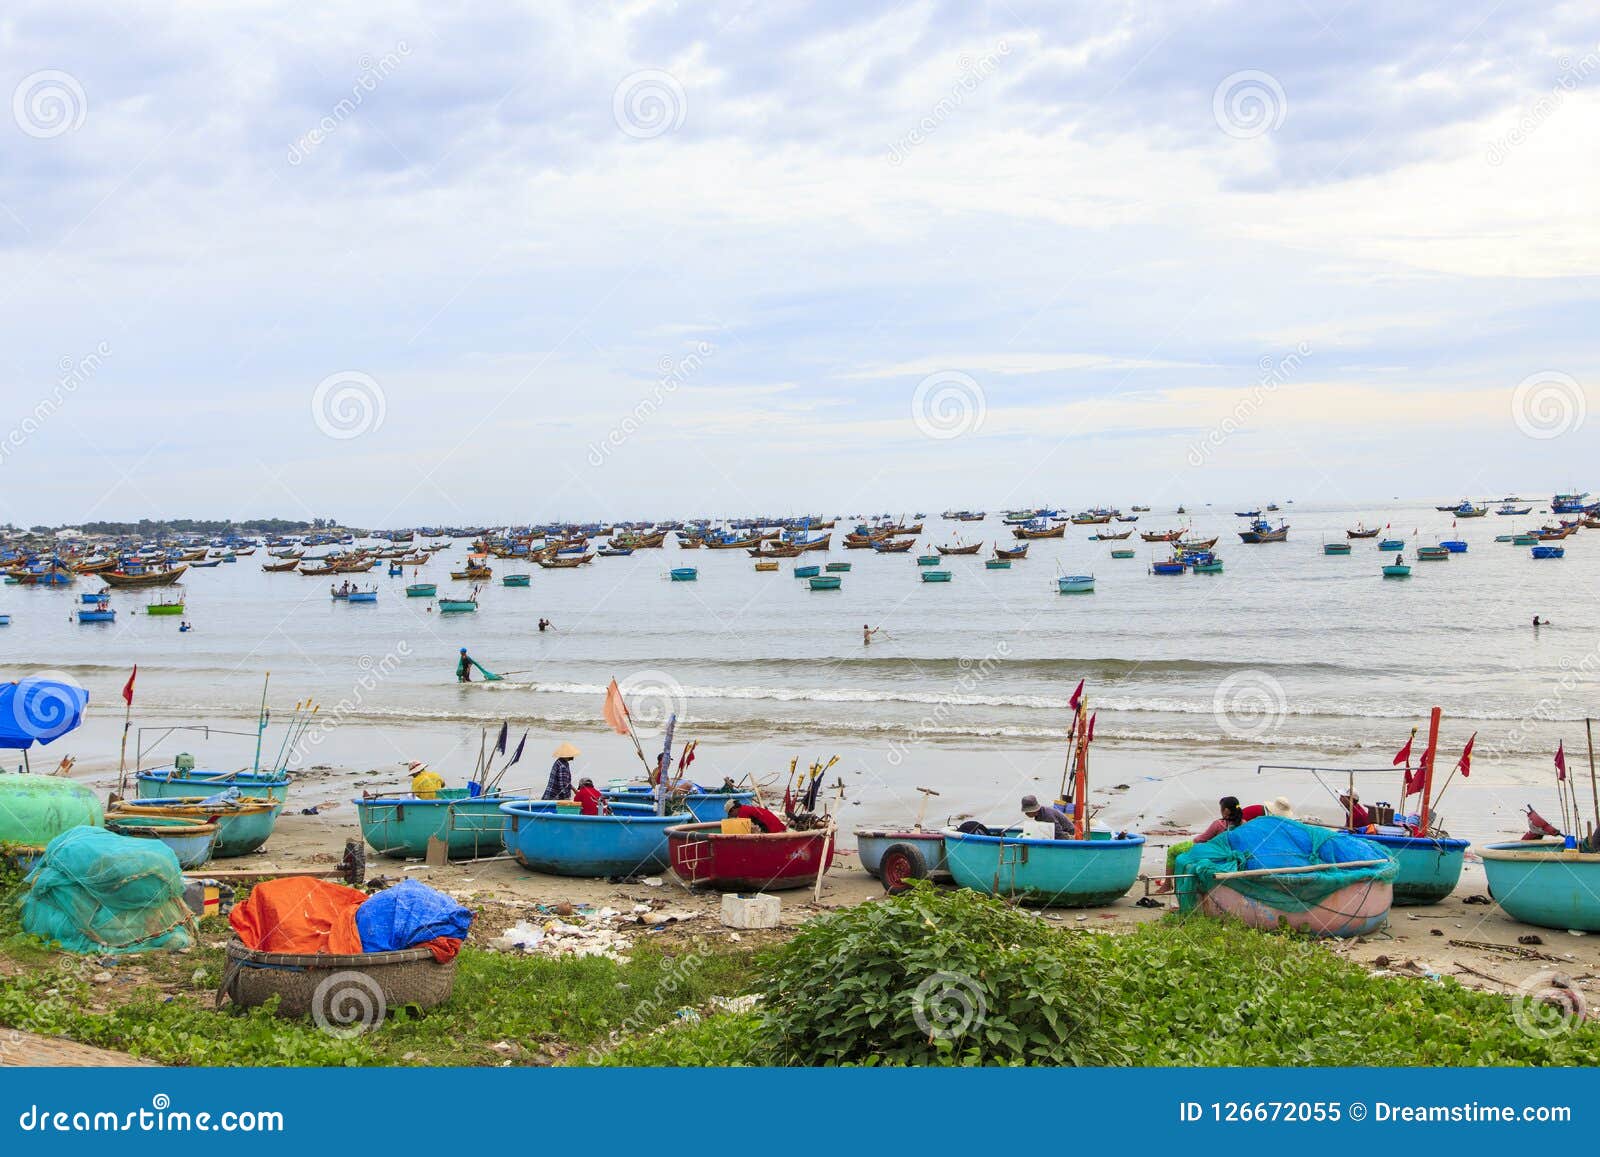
[997,564]
[1391,544]
[805,572]
[1074,584]
[825,582]
[1170,566]
[1454,545]
[516,580]
[1248,513]
[242,825]
[471,826]
[193,841]
[630,842]
[100,614]
[422,590]
[935,576]
[172,783]
[5,620]
[837,568]
[1549,552]
[91,598]
[363,596]
[1052,873]
[1510,509]
[1545,885]
[927,560]
[1430,868]
[1336,548]
[703,806]
[1396,570]
[684,574]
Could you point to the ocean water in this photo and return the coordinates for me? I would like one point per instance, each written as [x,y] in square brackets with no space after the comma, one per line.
[1288,656]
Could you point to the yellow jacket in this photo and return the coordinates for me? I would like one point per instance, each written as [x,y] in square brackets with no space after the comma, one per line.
[426,785]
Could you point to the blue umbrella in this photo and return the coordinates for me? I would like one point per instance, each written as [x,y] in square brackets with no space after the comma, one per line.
[38,710]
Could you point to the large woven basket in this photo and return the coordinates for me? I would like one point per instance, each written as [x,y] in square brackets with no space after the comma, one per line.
[339,992]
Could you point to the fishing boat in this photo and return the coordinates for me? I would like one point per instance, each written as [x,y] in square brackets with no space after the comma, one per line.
[5,620]
[1432,553]
[209,563]
[703,856]
[516,580]
[960,548]
[422,590]
[1162,535]
[1274,872]
[1262,531]
[94,598]
[1361,531]
[1018,553]
[153,578]
[1454,545]
[1389,544]
[896,856]
[1509,509]
[837,567]
[1029,532]
[1537,552]
[1204,563]
[826,582]
[935,576]
[179,783]
[1470,509]
[614,551]
[1429,868]
[193,841]
[769,565]
[630,842]
[472,574]
[471,826]
[997,564]
[1102,536]
[704,807]
[1168,566]
[1336,548]
[1396,570]
[280,567]
[101,612]
[363,597]
[1052,873]
[1545,884]
[890,547]
[1122,554]
[805,572]
[1074,584]
[684,574]
[1248,513]
[449,606]
[243,825]
[927,560]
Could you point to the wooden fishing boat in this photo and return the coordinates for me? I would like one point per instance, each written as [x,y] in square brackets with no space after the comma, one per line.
[1263,532]
[825,582]
[777,550]
[472,574]
[689,543]
[997,564]
[973,549]
[155,578]
[1122,554]
[565,562]
[458,606]
[1105,537]
[1052,873]
[732,543]
[807,571]
[278,567]
[207,565]
[1336,548]
[516,580]
[630,842]
[242,826]
[95,565]
[1025,532]
[935,576]
[361,566]
[422,590]
[890,547]
[1162,536]
[769,565]
[1508,508]
[315,571]
[471,826]
[837,567]
[1432,553]
[1542,883]
[684,574]
[1545,552]
[1396,570]
[1075,584]
[170,783]
[702,856]
[193,841]
[1362,532]
[1019,553]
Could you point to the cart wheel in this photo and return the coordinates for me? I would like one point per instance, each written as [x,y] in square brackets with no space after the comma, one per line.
[901,864]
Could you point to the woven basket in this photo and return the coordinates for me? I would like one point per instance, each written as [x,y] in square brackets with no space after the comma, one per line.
[339,992]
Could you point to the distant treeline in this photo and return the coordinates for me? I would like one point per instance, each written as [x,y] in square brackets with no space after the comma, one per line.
[149,527]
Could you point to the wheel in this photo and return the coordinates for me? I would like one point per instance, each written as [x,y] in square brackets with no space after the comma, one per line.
[901,864]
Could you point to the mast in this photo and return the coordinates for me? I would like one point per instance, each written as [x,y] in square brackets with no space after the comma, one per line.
[1080,803]
[1428,757]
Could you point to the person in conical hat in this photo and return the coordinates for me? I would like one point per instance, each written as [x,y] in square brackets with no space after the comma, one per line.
[424,783]
[559,786]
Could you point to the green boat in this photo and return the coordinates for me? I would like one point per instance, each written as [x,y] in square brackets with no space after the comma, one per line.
[997,564]
[927,560]
[1525,539]
[457,606]
[35,809]
[1397,570]
[422,590]
[806,572]
[838,568]
[1054,873]
[242,827]
[471,826]
[192,841]
[1123,553]
[1430,868]
[935,576]
[1432,553]
[189,782]
[164,609]
[1212,567]
[515,580]
[1336,548]
[825,582]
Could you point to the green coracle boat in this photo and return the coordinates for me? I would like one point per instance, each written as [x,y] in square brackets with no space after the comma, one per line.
[422,590]
[400,826]
[242,827]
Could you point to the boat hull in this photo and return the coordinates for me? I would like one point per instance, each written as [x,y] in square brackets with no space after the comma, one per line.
[1051,873]
[401,826]
[872,843]
[1430,868]
[241,829]
[702,857]
[1541,884]
[171,784]
[629,843]
[1354,910]
[192,841]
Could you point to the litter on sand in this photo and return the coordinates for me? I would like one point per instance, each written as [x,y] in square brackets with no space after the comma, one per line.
[584,931]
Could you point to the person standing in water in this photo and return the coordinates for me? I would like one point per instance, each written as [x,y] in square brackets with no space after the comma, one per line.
[867,633]
[464,668]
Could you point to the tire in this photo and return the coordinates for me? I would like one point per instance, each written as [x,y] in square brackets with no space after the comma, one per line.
[901,864]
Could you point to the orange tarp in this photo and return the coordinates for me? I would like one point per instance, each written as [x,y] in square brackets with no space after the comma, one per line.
[299,915]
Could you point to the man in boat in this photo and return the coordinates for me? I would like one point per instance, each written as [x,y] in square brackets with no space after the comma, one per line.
[588,798]
[464,667]
[559,785]
[424,783]
[1045,814]
[766,820]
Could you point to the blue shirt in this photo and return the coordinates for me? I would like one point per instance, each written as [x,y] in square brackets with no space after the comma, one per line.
[560,783]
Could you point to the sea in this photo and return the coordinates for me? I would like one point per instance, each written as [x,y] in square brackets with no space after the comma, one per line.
[1250,680]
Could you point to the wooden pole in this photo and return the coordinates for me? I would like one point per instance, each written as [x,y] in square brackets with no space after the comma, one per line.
[1588,730]
[827,846]
[261,720]
[1080,804]
[1298,868]
[1429,757]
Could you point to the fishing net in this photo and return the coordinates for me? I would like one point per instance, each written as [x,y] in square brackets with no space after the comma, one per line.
[1271,842]
[95,892]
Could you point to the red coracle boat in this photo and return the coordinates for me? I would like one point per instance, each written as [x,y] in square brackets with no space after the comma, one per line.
[758,862]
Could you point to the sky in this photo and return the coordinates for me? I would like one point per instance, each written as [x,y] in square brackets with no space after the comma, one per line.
[401,264]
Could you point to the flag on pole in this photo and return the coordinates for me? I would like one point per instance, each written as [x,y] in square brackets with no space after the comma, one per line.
[1404,754]
[127,688]
[1092,718]
[1561,762]
[616,711]
[1077,697]
[1464,764]
[517,754]
[500,744]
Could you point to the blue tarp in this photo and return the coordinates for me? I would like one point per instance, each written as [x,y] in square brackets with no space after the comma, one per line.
[1273,842]
[39,710]
[408,914]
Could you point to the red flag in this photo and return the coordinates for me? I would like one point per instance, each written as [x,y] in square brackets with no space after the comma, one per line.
[1561,762]
[1092,718]
[1077,697]
[1414,781]
[127,688]
[615,710]
[1464,764]
[1404,754]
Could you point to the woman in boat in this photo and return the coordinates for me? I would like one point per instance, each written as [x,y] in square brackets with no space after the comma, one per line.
[424,783]
[766,820]
[588,798]
[1231,816]
[559,785]
[1356,817]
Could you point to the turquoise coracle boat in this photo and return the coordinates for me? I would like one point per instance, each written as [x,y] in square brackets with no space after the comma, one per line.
[192,841]
[470,826]
[703,806]
[1544,884]
[169,783]
[1052,873]
[1430,868]
[242,827]
[631,842]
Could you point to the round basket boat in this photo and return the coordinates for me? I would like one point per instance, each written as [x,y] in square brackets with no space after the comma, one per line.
[331,988]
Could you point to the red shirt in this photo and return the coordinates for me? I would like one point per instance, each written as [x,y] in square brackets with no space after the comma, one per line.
[590,799]
[760,816]
[1253,812]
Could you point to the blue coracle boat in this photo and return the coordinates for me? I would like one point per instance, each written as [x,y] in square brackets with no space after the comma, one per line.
[1430,868]
[242,827]
[1052,873]
[704,806]
[470,826]
[1543,884]
[631,842]
[169,783]
[192,841]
